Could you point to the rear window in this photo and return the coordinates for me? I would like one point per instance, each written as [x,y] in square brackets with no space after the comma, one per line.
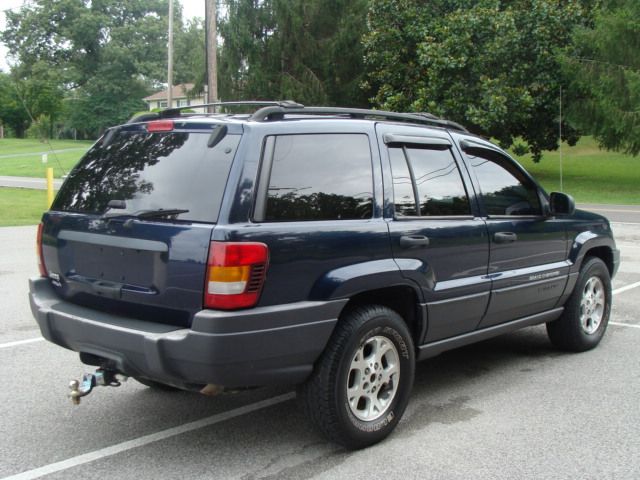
[150,171]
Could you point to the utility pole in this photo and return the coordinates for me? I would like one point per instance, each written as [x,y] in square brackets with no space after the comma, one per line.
[170,60]
[211,32]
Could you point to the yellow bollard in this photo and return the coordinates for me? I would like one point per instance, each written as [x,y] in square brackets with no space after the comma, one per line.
[49,187]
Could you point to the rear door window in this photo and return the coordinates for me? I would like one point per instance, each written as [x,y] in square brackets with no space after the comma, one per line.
[150,171]
[317,177]
[427,183]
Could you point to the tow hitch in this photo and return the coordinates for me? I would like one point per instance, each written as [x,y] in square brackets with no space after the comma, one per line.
[101,377]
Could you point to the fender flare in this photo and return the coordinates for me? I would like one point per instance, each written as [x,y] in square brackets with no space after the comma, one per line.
[584,242]
[350,280]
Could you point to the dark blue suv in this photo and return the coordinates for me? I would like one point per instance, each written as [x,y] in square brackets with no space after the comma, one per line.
[324,247]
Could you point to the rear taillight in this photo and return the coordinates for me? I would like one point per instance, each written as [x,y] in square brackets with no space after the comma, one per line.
[235,274]
[41,265]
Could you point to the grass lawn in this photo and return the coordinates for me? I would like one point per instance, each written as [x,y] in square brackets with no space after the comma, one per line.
[590,175]
[23,157]
[21,206]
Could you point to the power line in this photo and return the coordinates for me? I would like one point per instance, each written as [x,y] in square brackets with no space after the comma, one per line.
[24,104]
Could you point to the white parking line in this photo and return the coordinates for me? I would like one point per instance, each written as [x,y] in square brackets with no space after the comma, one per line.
[625,288]
[618,324]
[617,210]
[20,342]
[147,439]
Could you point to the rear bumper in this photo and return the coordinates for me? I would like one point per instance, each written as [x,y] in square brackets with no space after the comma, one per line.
[261,346]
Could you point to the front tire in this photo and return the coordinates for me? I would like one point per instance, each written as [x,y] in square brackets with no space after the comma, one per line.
[361,384]
[587,311]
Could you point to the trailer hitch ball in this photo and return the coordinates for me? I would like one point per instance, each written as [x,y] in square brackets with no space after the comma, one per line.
[101,377]
[75,393]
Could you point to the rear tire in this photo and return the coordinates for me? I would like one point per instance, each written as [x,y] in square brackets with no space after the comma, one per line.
[587,311]
[361,384]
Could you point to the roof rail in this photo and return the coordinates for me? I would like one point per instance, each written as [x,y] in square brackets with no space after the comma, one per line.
[275,112]
[175,111]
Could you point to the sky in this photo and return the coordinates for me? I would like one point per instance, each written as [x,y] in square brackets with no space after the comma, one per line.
[190,9]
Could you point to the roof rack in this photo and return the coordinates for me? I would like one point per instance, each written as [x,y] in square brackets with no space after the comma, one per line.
[285,104]
[277,112]
[175,111]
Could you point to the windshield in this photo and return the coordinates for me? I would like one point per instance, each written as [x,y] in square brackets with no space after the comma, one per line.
[141,171]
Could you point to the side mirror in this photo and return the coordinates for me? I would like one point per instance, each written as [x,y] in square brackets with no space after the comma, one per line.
[561,204]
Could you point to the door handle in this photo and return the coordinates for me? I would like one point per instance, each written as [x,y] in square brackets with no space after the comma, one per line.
[505,237]
[409,241]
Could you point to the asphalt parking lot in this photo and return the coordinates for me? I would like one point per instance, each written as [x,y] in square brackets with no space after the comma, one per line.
[512,407]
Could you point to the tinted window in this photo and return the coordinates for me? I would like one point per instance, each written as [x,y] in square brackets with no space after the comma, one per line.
[403,194]
[505,189]
[320,177]
[436,178]
[150,171]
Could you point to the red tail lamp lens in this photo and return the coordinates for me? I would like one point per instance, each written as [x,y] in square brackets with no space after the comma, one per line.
[235,274]
[41,265]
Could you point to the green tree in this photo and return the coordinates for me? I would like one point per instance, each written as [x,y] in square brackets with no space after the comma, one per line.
[603,68]
[107,53]
[243,72]
[488,64]
[189,54]
[43,94]
[305,50]
[98,105]
[12,111]
[38,96]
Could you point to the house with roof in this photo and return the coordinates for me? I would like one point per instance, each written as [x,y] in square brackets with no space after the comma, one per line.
[181,97]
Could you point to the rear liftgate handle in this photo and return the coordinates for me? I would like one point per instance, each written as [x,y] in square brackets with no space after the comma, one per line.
[410,241]
[505,237]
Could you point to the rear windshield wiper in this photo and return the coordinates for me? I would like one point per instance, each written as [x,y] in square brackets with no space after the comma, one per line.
[160,212]
[154,213]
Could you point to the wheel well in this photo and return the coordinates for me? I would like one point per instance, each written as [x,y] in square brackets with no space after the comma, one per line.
[401,299]
[603,253]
